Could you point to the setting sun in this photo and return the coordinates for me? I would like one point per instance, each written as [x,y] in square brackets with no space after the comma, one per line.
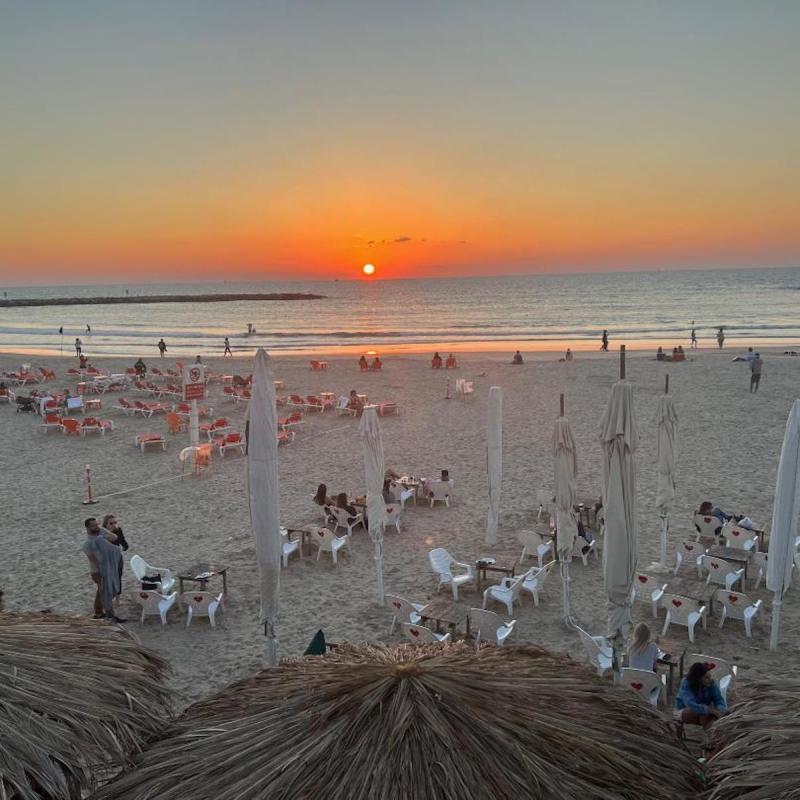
[368,269]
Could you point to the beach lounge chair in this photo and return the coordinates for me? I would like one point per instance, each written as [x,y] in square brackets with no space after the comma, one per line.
[535,578]
[486,626]
[288,546]
[52,422]
[507,591]
[402,610]
[442,564]
[329,542]
[295,418]
[647,684]
[440,492]
[420,635]
[721,572]
[154,604]
[720,670]
[647,590]
[152,440]
[313,403]
[285,437]
[740,538]
[125,406]
[599,650]
[692,554]
[318,366]
[202,604]
[707,526]
[93,425]
[344,520]
[737,605]
[4,395]
[164,579]
[533,545]
[71,427]
[682,611]
[232,441]
[296,401]
[392,517]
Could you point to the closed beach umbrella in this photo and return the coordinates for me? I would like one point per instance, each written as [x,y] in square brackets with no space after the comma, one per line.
[494,461]
[417,722]
[785,511]
[262,484]
[374,470]
[618,439]
[666,455]
[565,458]
[77,699]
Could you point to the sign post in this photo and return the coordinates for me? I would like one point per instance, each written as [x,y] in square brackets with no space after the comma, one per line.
[194,389]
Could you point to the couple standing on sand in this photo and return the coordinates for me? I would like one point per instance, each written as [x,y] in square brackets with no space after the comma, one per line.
[103,547]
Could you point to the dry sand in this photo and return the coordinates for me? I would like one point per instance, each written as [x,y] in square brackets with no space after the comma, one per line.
[729,447]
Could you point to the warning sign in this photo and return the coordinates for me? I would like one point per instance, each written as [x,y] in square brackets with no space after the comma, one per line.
[194,382]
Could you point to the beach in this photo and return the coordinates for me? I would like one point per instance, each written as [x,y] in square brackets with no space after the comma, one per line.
[729,443]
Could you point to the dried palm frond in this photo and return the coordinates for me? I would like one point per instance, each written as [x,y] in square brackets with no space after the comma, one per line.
[757,745]
[76,697]
[416,722]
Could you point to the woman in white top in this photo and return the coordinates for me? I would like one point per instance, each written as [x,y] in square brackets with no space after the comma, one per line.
[642,653]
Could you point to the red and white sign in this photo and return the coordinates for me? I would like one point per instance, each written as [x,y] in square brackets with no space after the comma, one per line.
[194,382]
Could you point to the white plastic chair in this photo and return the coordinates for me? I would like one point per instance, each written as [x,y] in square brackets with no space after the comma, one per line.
[721,572]
[442,564]
[344,520]
[580,544]
[420,635]
[402,610]
[202,604]
[720,670]
[486,626]
[440,491]
[740,538]
[288,547]
[737,605]
[507,591]
[645,683]
[707,525]
[402,495]
[544,499]
[154,604]
[599,650]
[682,611]
[647,590]
[759,563]
[533,545]
[692,553]
[392,517]
[329,542]
[534,580]
[141,569]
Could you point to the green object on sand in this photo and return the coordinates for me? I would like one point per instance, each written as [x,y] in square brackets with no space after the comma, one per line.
[317,645]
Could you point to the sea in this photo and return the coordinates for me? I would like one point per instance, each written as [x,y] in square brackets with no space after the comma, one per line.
[497,313]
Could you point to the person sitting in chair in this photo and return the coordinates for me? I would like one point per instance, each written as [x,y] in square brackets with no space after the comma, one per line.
[355,402]
[342,502]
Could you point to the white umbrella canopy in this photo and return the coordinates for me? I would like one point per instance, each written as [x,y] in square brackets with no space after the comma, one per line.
[262,484]
[666,457]
[565,458]
[618,439]
[374,469]
[785,512]
[494,461]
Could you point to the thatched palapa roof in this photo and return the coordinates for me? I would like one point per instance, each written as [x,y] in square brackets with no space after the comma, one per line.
[77,698]
[758,745]
[417,723]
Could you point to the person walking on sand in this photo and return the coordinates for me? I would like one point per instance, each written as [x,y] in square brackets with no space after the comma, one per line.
[755,373]
[694,337]
[162,346]
[89,329]
[227,349]
[604,340]
[78,347]
[720,338]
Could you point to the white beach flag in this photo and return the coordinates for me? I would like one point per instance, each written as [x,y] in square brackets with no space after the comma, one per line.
[374,470]
[666,456]
[262,484]
[494,461]
[785,512]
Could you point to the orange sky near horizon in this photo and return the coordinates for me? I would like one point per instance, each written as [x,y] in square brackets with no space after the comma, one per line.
[151,146]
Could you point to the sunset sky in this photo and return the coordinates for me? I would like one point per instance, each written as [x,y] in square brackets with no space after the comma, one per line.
[157,140]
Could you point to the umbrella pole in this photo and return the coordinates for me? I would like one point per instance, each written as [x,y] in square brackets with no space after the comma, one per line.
[622,362]
[664,531]
[776,619]
[272,643]
[378,557]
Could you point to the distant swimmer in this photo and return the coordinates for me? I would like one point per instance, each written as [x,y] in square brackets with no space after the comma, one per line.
[604,342]
[162,347]
[227,348]
[694,336]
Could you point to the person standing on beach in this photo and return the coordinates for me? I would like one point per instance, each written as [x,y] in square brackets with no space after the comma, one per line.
[162,346]
[111,525]
[604,345]
[755,373]
[227,348]
[78,347]
[720,338]
[89,329]
[694,337]
[104,559]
